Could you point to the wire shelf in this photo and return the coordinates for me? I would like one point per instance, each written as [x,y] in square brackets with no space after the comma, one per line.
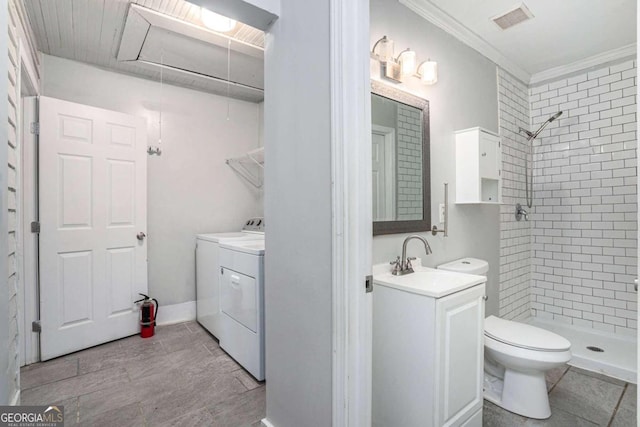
[250,166]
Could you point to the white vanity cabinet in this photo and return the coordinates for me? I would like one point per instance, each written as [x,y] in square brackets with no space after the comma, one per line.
[428,351]
[478,166]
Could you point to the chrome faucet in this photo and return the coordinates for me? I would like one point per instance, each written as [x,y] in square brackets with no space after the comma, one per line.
[402,265]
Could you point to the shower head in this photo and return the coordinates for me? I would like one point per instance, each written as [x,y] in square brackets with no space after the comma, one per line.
[555,116]
[532,135]
[528,173]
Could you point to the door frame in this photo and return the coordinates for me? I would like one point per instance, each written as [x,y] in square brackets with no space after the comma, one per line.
[28,241]
[352,216]
[28,301]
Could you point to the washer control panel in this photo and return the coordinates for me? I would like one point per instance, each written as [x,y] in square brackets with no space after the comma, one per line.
[254,224]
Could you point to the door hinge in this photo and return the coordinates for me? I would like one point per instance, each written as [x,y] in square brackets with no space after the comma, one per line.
[36,326]
[368,284]
[35,226]
[35,128]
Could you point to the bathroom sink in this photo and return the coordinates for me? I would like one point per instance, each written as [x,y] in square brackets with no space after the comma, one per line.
[426,281]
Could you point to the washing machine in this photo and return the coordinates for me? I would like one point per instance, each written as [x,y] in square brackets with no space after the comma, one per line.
[208,271]
[242,303]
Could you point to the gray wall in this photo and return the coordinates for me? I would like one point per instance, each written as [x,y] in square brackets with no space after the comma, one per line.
[6,377]
[465,96]
[298,271]
[190,188]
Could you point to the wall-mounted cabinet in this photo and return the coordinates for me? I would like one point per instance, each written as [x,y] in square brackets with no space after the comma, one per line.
[478,166]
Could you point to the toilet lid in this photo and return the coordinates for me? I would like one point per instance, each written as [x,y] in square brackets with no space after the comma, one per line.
[524,336]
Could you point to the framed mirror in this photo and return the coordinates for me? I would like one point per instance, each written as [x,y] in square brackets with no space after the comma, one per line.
[400,156]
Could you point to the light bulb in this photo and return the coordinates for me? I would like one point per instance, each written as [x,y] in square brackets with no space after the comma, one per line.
[383,48]
[429,72]
[216,22]
[407,61]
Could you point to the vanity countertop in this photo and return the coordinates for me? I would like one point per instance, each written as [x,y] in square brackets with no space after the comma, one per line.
[426,281]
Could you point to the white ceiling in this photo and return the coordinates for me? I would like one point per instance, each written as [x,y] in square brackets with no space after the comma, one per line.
[90,31]
[562,32]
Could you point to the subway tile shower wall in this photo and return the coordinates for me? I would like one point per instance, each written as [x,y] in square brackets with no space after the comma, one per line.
[515,237]
[584,219]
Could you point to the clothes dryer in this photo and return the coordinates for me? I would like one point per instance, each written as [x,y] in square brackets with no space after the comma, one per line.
[242,303]
[208,271]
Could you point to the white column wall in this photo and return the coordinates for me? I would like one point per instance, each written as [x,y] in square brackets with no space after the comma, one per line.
[298,264]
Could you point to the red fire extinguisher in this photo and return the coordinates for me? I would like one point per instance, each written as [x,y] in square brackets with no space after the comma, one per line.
[148,315]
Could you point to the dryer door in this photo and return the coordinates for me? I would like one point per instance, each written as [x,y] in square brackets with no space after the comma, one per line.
[239,297]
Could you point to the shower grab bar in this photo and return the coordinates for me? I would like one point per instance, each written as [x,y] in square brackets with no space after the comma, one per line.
[445,229]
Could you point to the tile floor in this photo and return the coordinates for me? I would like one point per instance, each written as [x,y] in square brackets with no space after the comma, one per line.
[181,377]
[577,398]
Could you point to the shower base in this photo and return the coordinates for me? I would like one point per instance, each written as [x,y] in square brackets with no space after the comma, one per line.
[619,356]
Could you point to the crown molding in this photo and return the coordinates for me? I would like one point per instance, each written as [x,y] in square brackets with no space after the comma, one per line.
[438,17]
[583,64]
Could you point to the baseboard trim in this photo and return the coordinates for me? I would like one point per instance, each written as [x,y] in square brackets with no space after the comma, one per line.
[176,313]
[266,423]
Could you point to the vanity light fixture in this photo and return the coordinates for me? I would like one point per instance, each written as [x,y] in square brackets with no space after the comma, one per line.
[396,68]
[428,72]
[383,49]
[216,22]
[407,61]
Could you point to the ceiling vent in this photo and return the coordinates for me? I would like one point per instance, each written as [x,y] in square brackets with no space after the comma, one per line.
[513,17]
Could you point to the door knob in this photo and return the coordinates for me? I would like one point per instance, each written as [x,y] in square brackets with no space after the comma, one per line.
[140,236]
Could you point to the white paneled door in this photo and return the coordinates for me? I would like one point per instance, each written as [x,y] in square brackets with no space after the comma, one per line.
[93,197]
[383,169]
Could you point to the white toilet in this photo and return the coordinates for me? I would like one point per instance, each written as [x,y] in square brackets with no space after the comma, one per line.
[517,356]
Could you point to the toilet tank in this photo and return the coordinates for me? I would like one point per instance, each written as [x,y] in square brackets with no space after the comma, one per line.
[467,265]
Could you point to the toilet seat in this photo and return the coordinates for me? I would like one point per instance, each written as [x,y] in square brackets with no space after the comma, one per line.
[524,336]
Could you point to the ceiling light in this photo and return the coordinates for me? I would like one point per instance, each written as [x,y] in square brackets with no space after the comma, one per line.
[216,22]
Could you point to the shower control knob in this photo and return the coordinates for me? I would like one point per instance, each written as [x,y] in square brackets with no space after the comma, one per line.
[521,212]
